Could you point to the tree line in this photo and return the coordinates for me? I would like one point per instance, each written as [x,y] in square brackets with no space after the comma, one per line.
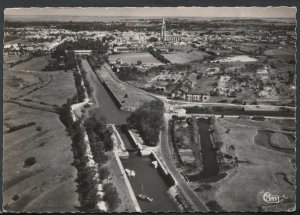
[158,55]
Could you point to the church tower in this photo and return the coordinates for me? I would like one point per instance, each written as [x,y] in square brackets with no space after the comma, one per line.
[163,31]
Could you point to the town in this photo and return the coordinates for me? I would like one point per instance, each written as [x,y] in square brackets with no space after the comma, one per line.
[158,114]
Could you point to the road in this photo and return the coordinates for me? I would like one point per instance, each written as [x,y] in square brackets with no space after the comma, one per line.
[182,185]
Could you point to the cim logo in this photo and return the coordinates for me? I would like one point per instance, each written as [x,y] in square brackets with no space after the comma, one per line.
[273,199]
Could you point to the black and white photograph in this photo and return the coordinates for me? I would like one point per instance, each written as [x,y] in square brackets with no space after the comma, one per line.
[149,109]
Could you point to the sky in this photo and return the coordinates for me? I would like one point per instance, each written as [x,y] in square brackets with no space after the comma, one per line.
[242,12]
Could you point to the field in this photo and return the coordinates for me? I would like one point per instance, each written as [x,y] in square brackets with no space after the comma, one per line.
[133,58]
[37,153]
[15,83]
[260,169]
[185,57]
[14,58]
[49,184]
[279,52]
[52,93]
[35,64]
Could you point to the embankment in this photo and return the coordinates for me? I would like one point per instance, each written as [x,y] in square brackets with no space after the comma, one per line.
[164,172]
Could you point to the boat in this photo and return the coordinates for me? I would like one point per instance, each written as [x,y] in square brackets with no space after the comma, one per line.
[154,164]
[130,173]
[144,196]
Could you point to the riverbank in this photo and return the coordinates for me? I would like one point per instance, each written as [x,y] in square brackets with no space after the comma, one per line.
[128,97]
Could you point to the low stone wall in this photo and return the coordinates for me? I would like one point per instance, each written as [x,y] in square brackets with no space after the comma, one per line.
[111,93]
[119,140]
[165,173]
[114,97]
[132,138]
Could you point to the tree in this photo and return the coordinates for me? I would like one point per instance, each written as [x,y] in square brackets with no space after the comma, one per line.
[153,39]
[111,196]
[148,119]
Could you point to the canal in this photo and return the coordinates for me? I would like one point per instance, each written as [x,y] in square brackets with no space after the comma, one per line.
[209,156]
[147,179]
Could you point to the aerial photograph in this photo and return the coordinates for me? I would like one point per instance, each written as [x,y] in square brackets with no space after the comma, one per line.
[142,109]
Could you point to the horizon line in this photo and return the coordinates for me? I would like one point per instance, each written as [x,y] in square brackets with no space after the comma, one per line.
[219,17]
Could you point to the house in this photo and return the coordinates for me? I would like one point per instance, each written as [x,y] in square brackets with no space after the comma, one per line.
[179,93]
[193,97]
[82,52]
[191,80]
[205,97]
[212,71]
[182,93]
[121,49]
[197,97]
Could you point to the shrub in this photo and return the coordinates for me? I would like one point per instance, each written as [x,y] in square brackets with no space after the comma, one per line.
[111,196]
[228,156]
[16,197]
[39,128]
[231,147]
[103,173]
[29,162]
[86,106]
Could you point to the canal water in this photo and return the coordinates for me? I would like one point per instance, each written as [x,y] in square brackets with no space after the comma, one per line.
[147,179]
[209,156]
[106,106]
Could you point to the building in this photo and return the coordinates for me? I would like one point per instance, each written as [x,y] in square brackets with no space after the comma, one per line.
[182,93]
[121,49]
[179,93]
[173,38]
[191,80]
[82,52]
[196,97]
[167,38]
[163,31]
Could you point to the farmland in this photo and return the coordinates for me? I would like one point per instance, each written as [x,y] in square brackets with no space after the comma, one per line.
[52,93]
[35,64]
[279,52]
[37,170]
[185,57]
[133,58]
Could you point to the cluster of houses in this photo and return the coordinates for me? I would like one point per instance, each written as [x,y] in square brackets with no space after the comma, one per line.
[30,47]
[185,90]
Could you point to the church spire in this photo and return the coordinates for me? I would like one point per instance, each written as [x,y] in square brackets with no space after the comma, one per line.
[163,31]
